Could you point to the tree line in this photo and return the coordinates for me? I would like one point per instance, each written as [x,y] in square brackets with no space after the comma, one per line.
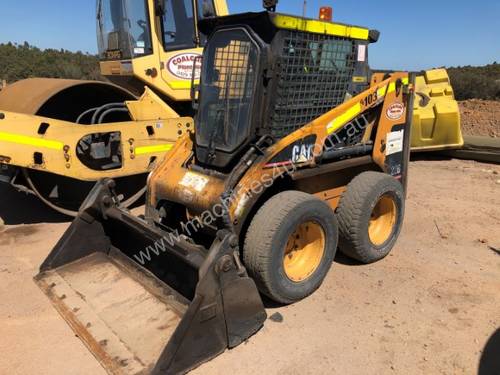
[476,82]
[20,61]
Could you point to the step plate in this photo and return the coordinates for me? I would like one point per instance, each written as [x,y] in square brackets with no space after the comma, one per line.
[123,314]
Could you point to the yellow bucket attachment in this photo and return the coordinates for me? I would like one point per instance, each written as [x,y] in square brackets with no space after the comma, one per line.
[436,115]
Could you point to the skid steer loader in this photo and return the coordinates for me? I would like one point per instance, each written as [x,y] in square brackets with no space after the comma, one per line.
[280,171]
[58,137]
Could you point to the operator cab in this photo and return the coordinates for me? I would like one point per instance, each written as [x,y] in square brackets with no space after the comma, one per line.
[123,29]
[268,74]
[153,43]
[230,85]
[124,26]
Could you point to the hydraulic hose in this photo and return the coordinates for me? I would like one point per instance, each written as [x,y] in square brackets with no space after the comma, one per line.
[111,110]
[104,107]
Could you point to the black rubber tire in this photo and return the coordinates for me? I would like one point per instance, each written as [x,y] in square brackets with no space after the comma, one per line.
[267,236]
[354,212]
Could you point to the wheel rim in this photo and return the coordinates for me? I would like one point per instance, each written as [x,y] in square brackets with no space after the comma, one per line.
[304,250]
[383,220]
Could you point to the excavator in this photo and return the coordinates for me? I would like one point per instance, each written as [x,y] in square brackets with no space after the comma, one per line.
[58,137]
[297,149]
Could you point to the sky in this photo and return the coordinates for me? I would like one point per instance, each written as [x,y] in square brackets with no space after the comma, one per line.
[415,35]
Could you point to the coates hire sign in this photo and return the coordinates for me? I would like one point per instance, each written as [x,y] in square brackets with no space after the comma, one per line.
[181,66]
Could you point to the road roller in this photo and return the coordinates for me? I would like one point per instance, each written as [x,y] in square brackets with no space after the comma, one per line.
[58,137]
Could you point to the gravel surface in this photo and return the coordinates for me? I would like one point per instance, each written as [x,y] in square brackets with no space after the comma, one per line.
[428,308]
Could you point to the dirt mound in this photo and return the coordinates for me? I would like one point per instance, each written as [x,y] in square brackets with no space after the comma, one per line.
[480,117]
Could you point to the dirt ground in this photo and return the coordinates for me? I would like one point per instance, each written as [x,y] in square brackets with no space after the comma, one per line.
[480,117]
[428,308]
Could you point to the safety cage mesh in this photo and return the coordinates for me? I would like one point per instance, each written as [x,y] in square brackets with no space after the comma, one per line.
[232,63]
[228,86]
[314,72]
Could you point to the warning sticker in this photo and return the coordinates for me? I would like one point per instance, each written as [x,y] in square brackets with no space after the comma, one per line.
[395,111]
[394,142]
[194,181]
[362,53]
[181,65]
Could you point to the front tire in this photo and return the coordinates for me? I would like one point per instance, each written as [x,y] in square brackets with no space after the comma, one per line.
[290,245]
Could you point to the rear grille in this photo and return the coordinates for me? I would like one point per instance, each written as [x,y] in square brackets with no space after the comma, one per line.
[314,73]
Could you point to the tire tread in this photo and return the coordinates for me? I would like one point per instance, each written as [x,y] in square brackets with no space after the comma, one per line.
[351,214]
[258,252]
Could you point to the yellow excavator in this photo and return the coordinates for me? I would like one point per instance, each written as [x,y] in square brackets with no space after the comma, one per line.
[58,137]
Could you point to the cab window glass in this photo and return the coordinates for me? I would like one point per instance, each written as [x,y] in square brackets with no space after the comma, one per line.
[123,29]
[333,55]
[178,25]
[206,9]
[179,22]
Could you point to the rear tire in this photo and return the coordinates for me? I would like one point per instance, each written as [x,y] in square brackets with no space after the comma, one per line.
[290,245]
[370,215]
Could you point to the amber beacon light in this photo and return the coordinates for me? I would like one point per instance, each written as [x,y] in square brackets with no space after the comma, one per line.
[326,14]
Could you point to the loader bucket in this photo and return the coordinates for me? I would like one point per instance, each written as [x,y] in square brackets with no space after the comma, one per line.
[436,115]
[182,307]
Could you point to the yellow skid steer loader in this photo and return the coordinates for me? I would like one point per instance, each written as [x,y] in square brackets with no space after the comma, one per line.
[280,170]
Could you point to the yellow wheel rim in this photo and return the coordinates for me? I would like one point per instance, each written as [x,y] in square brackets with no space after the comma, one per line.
[304,250]
[383,220]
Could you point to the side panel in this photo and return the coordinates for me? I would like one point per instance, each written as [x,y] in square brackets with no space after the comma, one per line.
[389,149]
[173,72]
